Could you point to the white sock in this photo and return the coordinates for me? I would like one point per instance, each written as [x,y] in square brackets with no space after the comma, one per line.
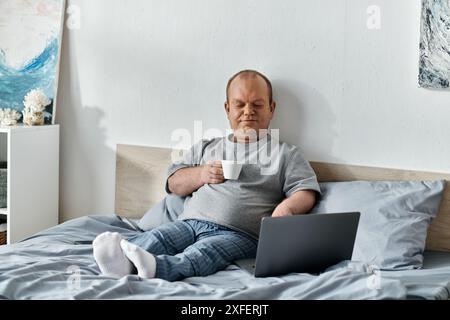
[144,261]
[109,255]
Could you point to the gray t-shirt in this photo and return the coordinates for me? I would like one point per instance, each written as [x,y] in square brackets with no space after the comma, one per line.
[271,171]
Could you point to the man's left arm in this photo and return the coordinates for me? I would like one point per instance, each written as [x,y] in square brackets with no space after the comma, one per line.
[299,202]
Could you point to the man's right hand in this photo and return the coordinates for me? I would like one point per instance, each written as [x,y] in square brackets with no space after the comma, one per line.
[212,173]
[187,180]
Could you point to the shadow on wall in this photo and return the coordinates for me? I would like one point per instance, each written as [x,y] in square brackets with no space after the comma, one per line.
[82,143]
[305,119]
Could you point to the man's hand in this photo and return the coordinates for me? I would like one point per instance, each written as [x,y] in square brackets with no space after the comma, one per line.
[187,180]
[212,173]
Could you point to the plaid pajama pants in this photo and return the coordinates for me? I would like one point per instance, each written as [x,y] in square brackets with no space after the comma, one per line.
[187,248]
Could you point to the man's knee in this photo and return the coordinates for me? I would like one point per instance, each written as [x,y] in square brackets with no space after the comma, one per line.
[206,260]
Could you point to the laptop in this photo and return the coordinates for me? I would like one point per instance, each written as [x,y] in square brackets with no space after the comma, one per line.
[307,243]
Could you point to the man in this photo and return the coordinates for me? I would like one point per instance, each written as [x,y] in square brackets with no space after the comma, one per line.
[221,219]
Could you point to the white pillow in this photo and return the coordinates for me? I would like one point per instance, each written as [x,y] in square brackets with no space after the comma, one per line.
[395,216]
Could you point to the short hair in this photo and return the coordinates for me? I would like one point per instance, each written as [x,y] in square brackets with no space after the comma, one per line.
[254,73]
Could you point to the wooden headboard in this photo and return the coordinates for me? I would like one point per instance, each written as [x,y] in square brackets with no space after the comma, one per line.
[141,177]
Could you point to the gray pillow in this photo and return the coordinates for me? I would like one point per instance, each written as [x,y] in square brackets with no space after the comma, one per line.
[167,210]
[395,216]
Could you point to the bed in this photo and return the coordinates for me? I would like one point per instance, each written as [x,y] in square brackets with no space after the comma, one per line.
[57,263]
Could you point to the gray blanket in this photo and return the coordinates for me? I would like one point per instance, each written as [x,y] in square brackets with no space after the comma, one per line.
[58,264]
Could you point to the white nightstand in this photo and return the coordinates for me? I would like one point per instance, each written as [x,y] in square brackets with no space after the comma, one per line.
[32,156]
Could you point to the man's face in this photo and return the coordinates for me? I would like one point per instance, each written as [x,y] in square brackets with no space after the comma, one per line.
[248,106]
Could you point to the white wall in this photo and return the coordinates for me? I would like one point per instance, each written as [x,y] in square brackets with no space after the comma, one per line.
[137,70]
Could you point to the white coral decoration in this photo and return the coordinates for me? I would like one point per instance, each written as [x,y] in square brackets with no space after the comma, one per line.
[35,101]
[9,117]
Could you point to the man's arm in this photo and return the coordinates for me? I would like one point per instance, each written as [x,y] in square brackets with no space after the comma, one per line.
[187,180]
[299,202]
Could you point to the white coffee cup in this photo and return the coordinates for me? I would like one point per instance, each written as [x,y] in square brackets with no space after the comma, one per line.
[231,169]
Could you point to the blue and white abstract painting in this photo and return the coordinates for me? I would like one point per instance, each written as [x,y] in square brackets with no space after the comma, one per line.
[30,39]
[434,65]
